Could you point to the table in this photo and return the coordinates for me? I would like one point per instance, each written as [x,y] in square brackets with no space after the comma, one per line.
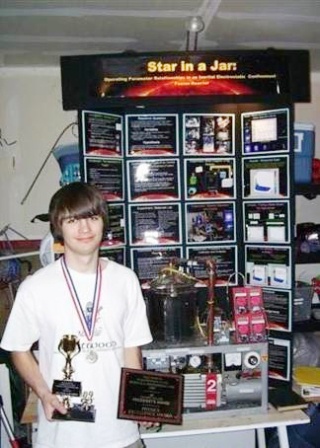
[239,422]
[200,424]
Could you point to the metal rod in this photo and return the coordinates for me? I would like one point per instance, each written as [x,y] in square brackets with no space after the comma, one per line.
[195,44]
[188,41]
[5,229]
[6,424]
[212,280]
[19,255]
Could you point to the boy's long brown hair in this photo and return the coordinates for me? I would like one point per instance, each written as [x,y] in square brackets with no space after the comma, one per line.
[76,200]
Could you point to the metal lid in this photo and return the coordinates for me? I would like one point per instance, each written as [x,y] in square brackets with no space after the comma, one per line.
[172,281]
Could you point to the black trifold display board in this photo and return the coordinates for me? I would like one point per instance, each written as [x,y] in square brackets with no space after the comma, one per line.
[194,154]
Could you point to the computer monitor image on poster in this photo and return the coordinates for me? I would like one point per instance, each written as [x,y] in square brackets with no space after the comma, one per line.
[265,132]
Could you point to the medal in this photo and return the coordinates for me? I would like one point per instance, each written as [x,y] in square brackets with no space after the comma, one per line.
[92,356]
[87,316]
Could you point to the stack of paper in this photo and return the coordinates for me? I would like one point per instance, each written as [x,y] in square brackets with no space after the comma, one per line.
[306,381]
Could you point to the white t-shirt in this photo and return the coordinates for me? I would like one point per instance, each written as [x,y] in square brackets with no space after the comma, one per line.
[44,311]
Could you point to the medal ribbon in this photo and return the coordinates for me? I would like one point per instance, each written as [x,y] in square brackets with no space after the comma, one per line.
[87,324]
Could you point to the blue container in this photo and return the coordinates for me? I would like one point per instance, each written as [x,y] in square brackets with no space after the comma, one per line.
[68,159]
[304,147]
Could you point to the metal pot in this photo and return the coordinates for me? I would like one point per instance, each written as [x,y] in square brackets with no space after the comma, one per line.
[172,306]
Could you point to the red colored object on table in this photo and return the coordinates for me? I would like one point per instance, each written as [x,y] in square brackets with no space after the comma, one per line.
[316,171]
[315,281]
[249,314]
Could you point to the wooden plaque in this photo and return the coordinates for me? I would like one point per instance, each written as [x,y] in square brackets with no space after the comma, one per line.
[151,396]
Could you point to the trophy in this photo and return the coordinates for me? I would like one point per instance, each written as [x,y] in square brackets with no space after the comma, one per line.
[84,411]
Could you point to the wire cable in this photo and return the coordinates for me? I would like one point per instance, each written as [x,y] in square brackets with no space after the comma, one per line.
[46,160]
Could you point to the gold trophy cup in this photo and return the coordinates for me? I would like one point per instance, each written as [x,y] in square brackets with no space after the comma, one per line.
[69,347]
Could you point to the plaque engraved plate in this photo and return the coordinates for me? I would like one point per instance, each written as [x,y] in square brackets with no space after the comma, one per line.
[66,387]
[151,396]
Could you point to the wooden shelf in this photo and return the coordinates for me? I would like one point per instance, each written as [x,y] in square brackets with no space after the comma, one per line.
[306,326]
[310,191]
[312,258]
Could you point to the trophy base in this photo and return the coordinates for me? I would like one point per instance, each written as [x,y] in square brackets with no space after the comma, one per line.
[77,414]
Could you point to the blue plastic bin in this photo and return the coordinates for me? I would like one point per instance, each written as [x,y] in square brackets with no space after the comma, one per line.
[304,147]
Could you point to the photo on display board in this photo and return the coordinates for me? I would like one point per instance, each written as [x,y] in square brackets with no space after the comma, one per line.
[148,262]
[268,266]
[278,307]
[279,359]
[265,177]
[208,134]
[116,254]
[155,224]
[265,132]
[106,175]
[152,135]
[115,233]
[225,259]
[152,180]
[102,134]
[209,179]
[266,222]
[210,223]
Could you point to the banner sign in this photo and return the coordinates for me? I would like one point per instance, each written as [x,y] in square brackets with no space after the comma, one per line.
[93,81]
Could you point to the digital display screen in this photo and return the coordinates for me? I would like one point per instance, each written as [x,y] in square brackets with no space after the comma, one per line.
[265,131]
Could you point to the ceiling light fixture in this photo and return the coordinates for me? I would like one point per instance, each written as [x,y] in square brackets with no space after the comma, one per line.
[194,26]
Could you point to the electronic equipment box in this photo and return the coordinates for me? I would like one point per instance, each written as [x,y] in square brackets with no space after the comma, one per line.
[218,379]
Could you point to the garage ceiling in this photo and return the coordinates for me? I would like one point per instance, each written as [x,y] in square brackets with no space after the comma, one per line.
[37,32]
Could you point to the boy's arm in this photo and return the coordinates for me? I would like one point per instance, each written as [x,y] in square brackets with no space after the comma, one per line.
[28,369]
[133,358]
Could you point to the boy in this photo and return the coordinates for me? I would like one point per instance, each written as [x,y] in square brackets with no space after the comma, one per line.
[93,301]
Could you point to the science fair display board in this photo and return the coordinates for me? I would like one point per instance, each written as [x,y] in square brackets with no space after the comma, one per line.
[194,155]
